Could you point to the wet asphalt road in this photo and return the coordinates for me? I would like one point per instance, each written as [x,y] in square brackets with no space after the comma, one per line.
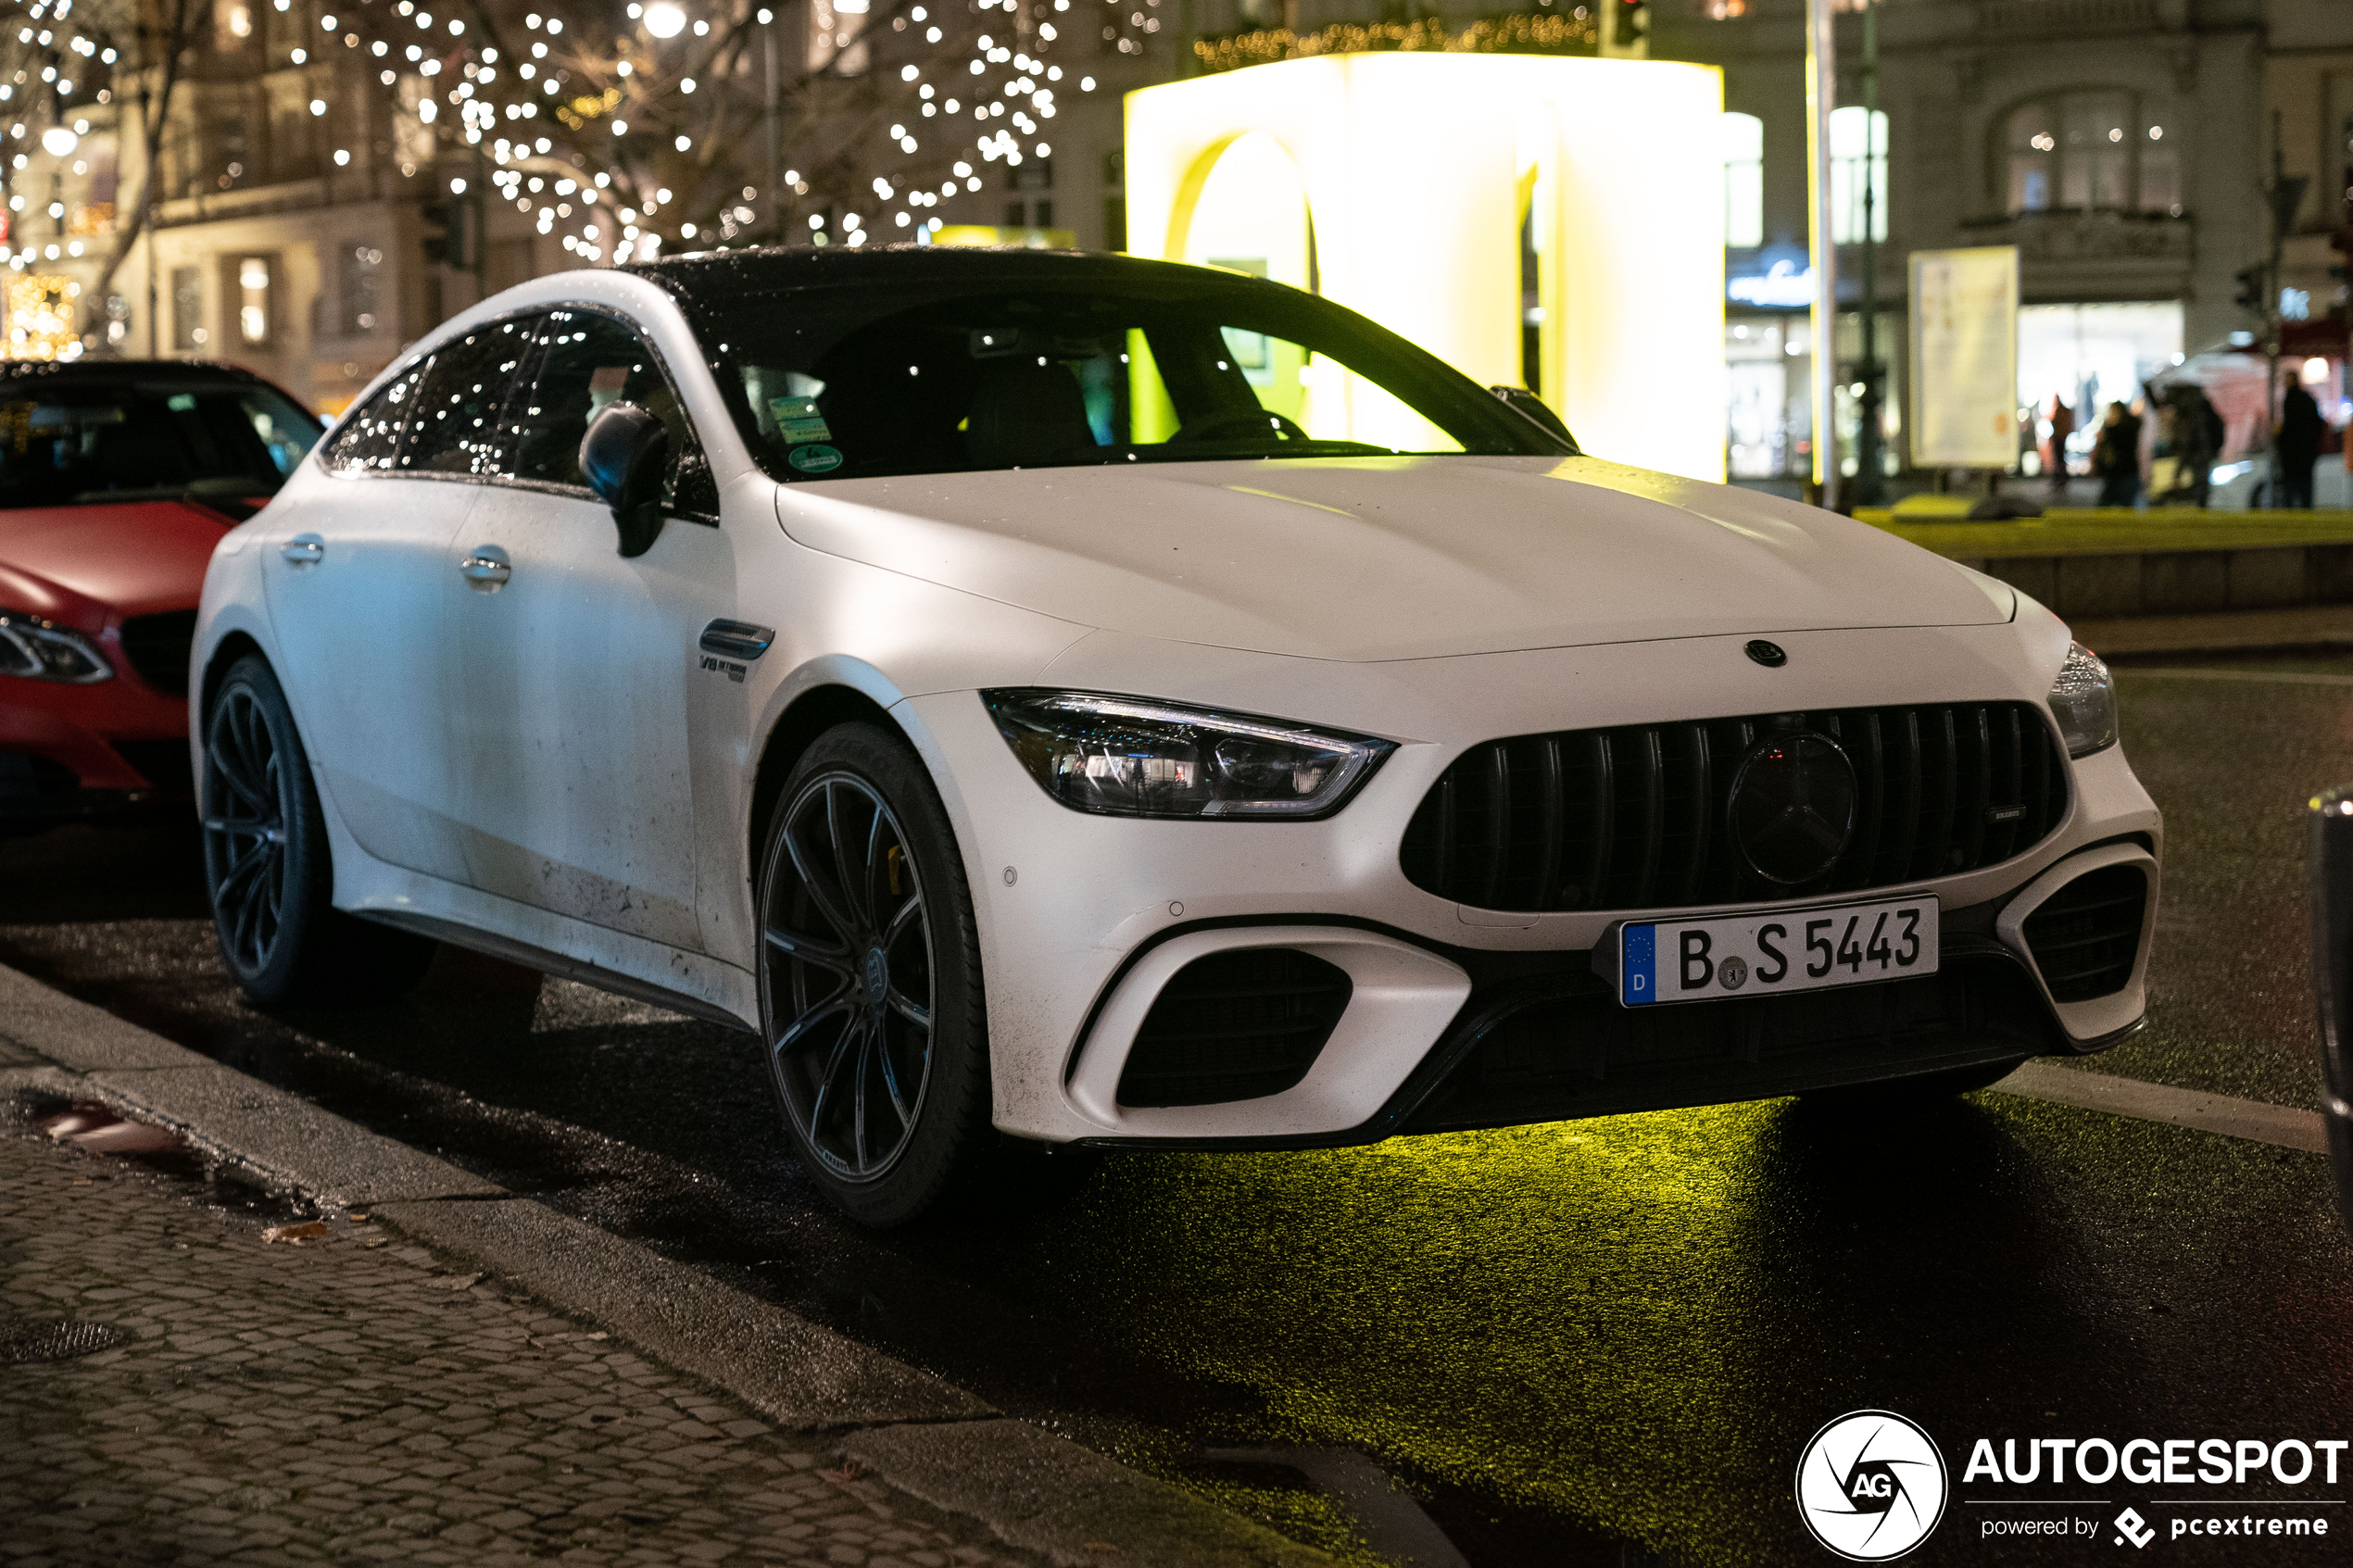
[1601,1342]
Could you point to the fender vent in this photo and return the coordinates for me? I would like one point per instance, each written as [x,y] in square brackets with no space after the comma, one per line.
[2086,935]
[1234,1025]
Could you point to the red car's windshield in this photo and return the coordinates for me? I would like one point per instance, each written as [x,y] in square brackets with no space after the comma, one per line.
[67,441]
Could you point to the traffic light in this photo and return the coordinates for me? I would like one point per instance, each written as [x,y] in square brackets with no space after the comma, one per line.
[2250,295]
[1633,22]
[446,237]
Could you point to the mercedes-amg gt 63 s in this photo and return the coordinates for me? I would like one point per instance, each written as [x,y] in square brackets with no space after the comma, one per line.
[1066,700]
[117,479]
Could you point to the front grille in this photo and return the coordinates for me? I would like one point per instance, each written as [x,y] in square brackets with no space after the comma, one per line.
[156,647]
[1570,1050]
[1234,1025]
[2086,935]
[1634,818]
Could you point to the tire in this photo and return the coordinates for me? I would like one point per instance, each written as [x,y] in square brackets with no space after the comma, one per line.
[266,866]
[1922,1089]
[870,998]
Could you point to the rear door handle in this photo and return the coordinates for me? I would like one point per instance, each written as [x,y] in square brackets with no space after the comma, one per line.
[304,550]
[486,569]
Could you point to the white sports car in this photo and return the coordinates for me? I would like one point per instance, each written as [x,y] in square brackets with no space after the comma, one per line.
[1065,700]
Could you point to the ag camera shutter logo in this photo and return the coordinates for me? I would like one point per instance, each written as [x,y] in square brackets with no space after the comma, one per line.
[1871,1486]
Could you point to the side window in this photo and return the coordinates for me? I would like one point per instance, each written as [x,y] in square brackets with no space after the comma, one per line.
[585,361]
[370,439]
[455,428]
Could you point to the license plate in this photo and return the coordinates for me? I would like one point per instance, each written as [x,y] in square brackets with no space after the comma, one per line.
[1703,961]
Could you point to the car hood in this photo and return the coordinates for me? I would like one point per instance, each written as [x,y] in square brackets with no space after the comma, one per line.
[1391,558]
[136,555]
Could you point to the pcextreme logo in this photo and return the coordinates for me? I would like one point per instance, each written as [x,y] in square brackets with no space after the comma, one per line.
[1871,1486]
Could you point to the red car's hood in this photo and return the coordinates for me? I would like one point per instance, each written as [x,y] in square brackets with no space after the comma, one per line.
[133,556]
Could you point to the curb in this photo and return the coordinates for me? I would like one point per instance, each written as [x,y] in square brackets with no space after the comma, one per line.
[904,1426]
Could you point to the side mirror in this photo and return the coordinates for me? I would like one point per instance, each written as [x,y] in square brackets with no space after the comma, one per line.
[2333,976]
[623,457]
[1535,408]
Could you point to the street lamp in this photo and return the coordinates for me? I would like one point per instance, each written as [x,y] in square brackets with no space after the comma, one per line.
[664,19]
[58,140]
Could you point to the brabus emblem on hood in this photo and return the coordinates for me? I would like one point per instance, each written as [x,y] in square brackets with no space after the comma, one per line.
[1769,655]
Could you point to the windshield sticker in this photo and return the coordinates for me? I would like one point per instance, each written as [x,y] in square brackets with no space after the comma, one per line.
[798,420]
[813,459]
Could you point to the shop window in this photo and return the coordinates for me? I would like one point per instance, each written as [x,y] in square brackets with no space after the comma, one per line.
[2089,151]
[1742,138]
[188,332]
[1859,165]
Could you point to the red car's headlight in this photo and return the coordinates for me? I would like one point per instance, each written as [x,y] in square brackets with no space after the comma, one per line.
[39,650]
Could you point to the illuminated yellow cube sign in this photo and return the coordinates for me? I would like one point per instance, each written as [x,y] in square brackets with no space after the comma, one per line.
[1399,184]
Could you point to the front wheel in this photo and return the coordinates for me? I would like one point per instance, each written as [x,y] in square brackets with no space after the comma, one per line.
[266,866]
[870,982]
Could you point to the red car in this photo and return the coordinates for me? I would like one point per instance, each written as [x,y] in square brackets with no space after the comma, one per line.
[117,478]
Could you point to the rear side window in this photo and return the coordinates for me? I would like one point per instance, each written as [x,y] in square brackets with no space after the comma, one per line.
[370,438]
[454,427]
[70,441]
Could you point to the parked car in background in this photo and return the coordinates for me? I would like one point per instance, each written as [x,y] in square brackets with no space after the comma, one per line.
[117,479]
[1139,707]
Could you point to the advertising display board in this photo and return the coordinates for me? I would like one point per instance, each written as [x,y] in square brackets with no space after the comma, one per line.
[1965,357]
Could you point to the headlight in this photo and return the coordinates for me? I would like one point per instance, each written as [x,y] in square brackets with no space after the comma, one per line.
[41,651]
[2084,701]
[1132,756]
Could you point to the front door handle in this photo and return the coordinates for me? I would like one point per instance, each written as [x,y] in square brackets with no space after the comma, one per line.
[486,569]
[304,550]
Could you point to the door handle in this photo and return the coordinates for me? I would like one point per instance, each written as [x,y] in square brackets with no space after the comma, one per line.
[486,569]
[304,550]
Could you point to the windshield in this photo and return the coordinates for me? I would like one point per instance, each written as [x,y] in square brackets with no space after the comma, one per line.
[924,377]
[67,442]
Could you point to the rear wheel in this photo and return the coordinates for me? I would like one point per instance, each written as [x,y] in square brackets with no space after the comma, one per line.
[266,865]
[870,982]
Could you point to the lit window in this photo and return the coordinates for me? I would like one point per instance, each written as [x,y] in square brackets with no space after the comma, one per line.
[1859,165]
[1743,146]
[253,299]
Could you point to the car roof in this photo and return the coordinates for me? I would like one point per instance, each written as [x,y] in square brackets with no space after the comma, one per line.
[776,268]
[121,372]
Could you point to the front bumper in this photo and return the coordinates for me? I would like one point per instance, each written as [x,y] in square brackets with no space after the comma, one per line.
[78,751]
[1458,1016]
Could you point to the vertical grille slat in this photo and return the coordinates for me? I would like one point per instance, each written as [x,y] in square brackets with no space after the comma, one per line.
[1499,823]
[1552,799]
[1653,784]
[1631,818]
[1596,888]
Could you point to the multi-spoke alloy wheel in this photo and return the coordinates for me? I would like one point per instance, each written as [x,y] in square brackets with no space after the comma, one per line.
[870,979]
[266,865]
[248,807]
[849,971]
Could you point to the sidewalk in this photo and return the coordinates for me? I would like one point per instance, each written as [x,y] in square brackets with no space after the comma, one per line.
[352,1397]
[440,1370]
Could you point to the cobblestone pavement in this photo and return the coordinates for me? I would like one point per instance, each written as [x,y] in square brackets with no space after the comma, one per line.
[351,1400]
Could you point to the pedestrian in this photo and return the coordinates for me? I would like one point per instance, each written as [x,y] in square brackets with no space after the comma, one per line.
[2117,458]
[2062,426]
[2298,447]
